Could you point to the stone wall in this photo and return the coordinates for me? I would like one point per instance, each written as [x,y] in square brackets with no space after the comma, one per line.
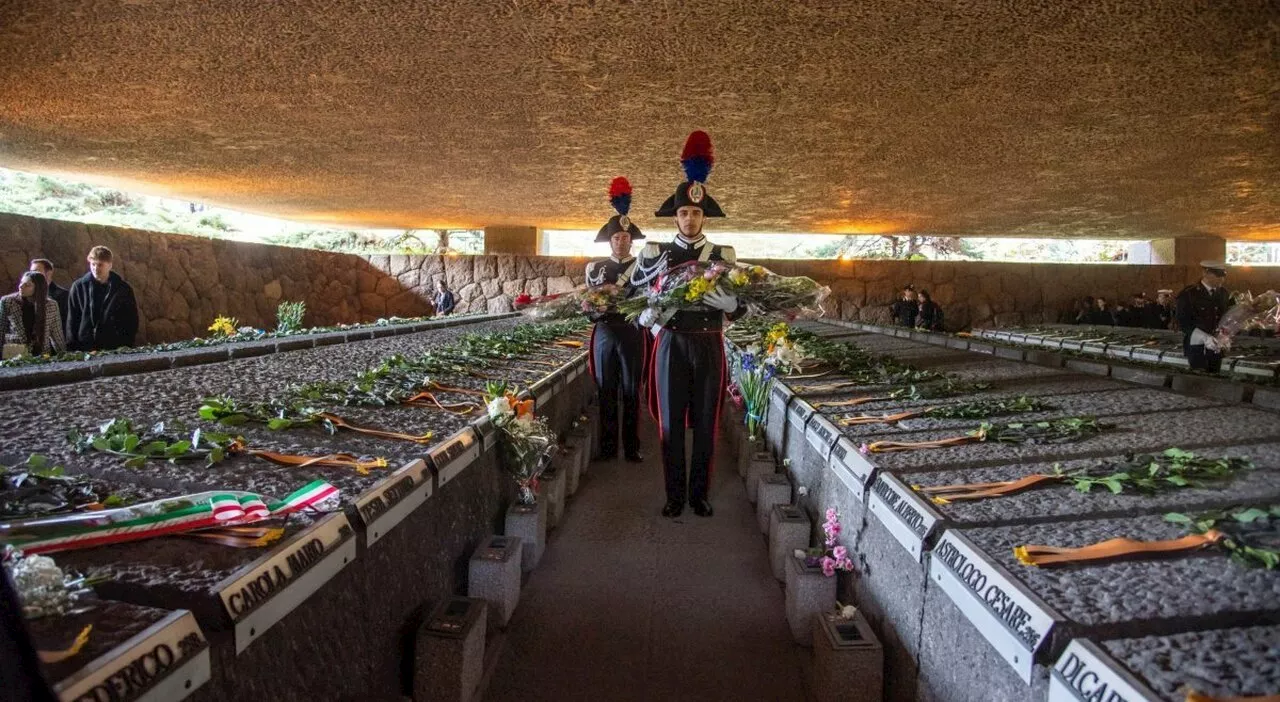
[183,282]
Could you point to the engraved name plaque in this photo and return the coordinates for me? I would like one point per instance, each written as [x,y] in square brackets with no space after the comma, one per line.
[388,503]
[167,661]
[453,456]
[903,512]
[1012,619]
[821,434]
[779,397]
[851,467]
[1085,673]
[262,593]
[484,428]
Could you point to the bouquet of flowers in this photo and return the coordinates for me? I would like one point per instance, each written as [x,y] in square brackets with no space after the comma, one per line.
[830,555]
[526,441]
[754,378]
[764,292]
[1249,312]
[579,302]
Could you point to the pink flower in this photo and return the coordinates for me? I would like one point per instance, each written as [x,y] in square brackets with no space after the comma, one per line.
[840,553]
[832,514]
[828,566]
[845,564]
[864,449]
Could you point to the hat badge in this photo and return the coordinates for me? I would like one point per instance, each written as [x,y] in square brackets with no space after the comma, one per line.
[624,222]
[696,192]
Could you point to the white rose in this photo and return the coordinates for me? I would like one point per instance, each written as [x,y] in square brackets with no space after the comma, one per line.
[848,612]
[499,407]
[799,553]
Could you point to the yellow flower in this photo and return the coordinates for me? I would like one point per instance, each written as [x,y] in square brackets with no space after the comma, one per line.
[223,326]
[1023,557]
[739,277]
[697,288]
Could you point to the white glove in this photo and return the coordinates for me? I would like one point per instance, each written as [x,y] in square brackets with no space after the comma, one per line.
[1199,338]
[1211,344]
[720,300]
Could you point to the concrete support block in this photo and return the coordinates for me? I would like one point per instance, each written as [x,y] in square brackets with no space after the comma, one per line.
[788,530]
[747,449]
[762,464]
[574,463]
[772,490]
[848,661]
[809,594]
[449,652]
[529,523]
[553,493]
[493,575]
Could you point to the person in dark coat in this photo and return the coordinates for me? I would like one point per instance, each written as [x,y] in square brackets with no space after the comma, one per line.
[1164,310]
[687,371]
[1101,314]
[1200,306]
[617,346]
[444,300]
[904,311]
[929,318]
[102,313]
[28,318]
[57,293]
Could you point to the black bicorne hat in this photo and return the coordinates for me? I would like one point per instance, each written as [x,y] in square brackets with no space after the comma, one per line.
[696,159]
[620,198]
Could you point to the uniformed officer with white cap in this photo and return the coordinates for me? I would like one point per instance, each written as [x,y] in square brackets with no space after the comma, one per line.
[1200,307]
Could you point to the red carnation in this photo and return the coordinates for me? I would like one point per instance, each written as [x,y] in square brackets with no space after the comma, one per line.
[523,299]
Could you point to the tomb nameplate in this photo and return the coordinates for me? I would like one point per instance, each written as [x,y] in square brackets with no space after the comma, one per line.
[387,504]
[454,455]
[903,512]
[167,661]
[1012,619]
[1084,672]
[779,397]
[822,433]
[851,467]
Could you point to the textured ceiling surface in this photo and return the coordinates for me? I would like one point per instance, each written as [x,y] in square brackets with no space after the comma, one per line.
[1118,118]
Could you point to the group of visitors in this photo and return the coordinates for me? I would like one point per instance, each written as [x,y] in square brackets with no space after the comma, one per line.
[98,312]
[1138,311]
[917,310]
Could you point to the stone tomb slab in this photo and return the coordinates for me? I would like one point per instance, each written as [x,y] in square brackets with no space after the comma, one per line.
[1195,428]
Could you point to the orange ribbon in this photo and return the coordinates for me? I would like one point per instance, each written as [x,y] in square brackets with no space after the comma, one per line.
[1193,696]
[1113,548]
[851,403]
[239,537]
[890,446]
[332,460]
[394,435]
[428,399]
[944,494]
[883,418]
[50,657]
[828,388]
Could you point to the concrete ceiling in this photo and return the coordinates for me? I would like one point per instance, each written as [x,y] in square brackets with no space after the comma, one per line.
[1120,118]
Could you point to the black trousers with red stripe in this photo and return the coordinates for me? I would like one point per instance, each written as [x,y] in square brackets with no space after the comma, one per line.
[617,358]
[687,389]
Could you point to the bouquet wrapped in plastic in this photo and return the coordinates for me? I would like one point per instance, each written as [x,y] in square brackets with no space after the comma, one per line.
[525,441]
[1249,312]
[764,292]
[579,302]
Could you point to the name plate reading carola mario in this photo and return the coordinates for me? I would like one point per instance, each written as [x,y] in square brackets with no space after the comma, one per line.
[903,512]
[821,434]
[454,455]
[1085,673]
[387,504]
[1012,619]
[167,661]
[262,593]
[851,467]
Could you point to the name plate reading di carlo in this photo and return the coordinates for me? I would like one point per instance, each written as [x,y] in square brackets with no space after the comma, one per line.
[850,466]
[821,434]
[1085,673]
[903,512]
[388,503]
[452,456]
[1012,619]
[167,661]
[262,593]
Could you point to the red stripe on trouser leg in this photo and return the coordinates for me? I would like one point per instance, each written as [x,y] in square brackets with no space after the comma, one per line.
[653,384]
[591,356]
[715,431]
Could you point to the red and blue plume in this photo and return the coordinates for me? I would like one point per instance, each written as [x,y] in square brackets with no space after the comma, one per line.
[620,195]
[697,157]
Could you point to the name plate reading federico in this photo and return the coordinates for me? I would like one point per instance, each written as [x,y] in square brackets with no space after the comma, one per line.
[388,503]
[262,593]
[454,455]
[851,467]
[822,433]
[1012,619]
[903,512]
[167,661]
[1085,673]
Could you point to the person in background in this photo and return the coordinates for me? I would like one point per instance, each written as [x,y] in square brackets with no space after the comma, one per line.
[1101,314]
[444,300]
[906,308]
[29,320]
[929,318]
[1200,307]
[57,293]
[1135,314]
[1163,310]
[102,313]
[1083,308]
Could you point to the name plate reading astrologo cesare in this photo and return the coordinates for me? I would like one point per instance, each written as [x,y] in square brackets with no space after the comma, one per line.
[903,512]
[1085,673]
[395,498]
[1012,619]
[262,593]
[821,434]
[167,661]
[454,455]
[850,466]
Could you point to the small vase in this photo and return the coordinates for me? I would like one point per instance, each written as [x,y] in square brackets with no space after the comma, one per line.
[526,495]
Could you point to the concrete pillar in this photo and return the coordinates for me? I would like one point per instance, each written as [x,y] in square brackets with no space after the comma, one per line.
[1183,251]
[517,240]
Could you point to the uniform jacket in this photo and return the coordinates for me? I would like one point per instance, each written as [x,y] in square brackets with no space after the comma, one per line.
[611,271]
[14,331]
[656,258]
[115,325]
[1197,308]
